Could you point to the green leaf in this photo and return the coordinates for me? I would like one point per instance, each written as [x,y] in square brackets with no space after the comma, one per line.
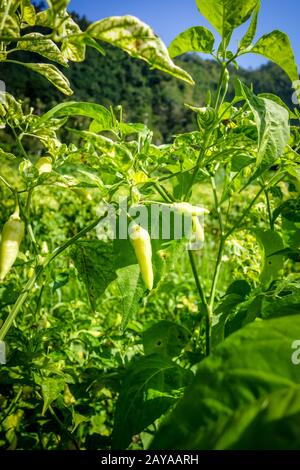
[134,128]
[276,46]
[290,210]
[272,122]
[9,25]
[239,287]
[286,302]
[196,39]
[166,338]
[45,47]
[28,12]
[224,310]
[246,312]
[74,48]
[94,261]
[240,161]
[272,97]
[52,74]
[72,108]
[228,303]
[58,5]
[270,242]
[8,295]
[79,419]
[226,15]
[151,385]
[61,279]
[138,40]
[94,44]
[132,290]
[51,390]
[45,18]
[268,424]
[249,36]
[245,370]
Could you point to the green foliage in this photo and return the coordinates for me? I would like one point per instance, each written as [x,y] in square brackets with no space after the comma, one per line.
[197,39]
[250,34]
[226,15]
[93,261]
[95,360]
[166,338]
[272,122]
[276,46]
[126,32]
[53,75]
[152,384]
[270,242]
[236,392]
[139,40]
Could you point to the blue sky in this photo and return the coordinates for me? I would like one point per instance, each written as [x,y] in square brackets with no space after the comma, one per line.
[170,17]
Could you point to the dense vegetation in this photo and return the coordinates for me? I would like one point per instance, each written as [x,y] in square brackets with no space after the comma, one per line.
[146,96]
[168,340]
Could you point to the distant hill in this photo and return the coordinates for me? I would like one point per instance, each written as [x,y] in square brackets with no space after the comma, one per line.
[146,96]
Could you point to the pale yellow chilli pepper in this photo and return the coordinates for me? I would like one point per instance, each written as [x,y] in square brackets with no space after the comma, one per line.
[44,165]
[141,243]
[187,209]
[197,229]
[11,238]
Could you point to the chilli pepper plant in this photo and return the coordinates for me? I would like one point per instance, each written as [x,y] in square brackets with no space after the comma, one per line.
[150,294]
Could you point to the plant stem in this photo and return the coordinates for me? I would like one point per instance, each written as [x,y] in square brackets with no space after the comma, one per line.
[271,221]
[19,143]
[218,94]
[8,185]
[204,302]
[161,188]
[216,273]
[200,157]
[63,427]
[275,178]
[217,205]
[244,214]
[221,246]
[12,406]
[39,269]
[17,306]
[27,218]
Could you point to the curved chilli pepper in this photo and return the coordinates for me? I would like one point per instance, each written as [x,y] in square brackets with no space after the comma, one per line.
[141,243]
[187,209]
[44,165]
[197,229]
[12,235]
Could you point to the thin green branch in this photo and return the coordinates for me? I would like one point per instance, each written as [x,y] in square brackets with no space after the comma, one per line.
[204,302]
[271,221]
[221,245]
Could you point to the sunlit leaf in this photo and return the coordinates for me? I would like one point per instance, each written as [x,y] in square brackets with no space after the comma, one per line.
[196,39]
[52,74]
[28,12]
[45,47]
[138,39]
[94,111]
[247,39]
[226,15]
[276,46]
[272,121]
